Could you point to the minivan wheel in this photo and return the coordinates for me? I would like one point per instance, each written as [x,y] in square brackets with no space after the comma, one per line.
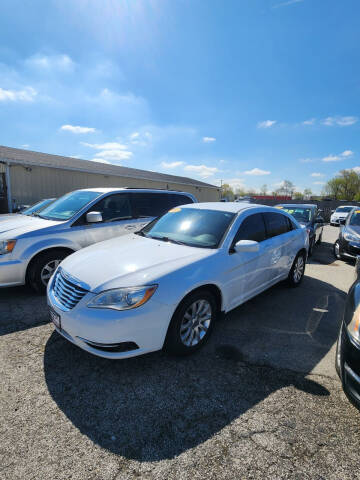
[42,268]
[297,271]
[191,324]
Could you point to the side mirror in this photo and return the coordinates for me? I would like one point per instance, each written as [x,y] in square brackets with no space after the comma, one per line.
[93,217]
[342,221]
[246,246]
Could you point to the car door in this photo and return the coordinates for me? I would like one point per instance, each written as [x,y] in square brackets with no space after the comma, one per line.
[281,238]
[245,273]
[117,219]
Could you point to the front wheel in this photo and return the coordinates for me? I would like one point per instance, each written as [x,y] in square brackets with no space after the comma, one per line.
[42,268]
[337,252]
[192,323]
[297,271]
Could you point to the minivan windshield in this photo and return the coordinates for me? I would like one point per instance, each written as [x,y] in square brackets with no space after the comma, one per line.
[194,227]
[67,206]
[344,209]
[37,206]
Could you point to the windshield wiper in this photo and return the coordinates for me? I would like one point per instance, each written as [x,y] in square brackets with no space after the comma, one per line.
[167,239]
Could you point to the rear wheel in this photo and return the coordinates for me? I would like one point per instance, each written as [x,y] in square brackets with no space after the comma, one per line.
[297,271]
[192,323]
[42,268]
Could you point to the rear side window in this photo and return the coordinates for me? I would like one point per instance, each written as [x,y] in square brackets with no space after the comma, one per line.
[175,199]
[252,228]
[276,224]
[149,204]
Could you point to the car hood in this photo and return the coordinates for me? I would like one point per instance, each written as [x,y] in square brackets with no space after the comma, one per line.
[353,230]
[16,225]
[129,261]
[340,214]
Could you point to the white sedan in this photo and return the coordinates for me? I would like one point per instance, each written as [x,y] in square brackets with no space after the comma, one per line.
[164,286]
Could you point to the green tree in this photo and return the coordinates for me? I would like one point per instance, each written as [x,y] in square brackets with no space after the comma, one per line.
[227,192]
[345,186]
[307,193]
[298,195]
[287,188]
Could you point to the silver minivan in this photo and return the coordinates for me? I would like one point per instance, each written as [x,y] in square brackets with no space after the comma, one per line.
[31,247]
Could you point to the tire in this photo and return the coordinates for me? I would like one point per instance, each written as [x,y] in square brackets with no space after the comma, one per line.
[184,329]
[42,267]
[337,253]
[297,271]
[311,247]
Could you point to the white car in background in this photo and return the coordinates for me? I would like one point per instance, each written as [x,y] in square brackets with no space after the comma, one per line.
[165,285]
[31,247]
[340,214]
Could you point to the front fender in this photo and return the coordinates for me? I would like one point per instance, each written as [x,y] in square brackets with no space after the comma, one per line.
[47,244]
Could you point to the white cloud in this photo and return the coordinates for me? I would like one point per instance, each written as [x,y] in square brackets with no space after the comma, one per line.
[25,145]
[105,146]
[287,3]
[208,139]
[202,170]
[311,121]
[341,121]
[257,171]
[77,129]
[51,62]
[306,160]
[114,155]
[134,135]
[100,160]
[27,94]
[266,124]
[319,183]
[337,158]
[353,169]
[171,164]
[234,183]
[316,174]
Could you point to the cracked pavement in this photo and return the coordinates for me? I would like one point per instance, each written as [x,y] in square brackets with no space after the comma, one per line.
[261,400]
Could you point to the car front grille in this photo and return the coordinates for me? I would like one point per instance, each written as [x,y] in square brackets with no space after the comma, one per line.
[67,292]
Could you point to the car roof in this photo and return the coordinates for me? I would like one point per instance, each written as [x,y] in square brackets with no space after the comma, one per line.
[126,189]
[234,207]
[306,205]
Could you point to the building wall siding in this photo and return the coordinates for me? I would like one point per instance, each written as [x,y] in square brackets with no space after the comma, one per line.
[29,185]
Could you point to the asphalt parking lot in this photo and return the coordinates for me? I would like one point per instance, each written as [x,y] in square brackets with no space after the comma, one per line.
[261,400]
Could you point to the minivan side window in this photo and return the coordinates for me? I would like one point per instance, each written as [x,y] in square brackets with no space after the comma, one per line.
[176,199]
[114,207]
[276,224]
[146,204]
[252,228]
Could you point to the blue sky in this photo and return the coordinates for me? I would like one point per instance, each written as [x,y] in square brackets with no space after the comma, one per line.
[249,92]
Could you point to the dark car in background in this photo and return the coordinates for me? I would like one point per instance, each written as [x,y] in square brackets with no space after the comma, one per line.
[347,246]
[347,361]
[309,216]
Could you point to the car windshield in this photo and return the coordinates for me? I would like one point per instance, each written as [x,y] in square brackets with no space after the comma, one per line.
[301,214]
[190,226]
[37,206]
[343,209]
[68,205]
[355,218]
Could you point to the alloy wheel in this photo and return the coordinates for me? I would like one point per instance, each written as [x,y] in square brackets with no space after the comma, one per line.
[48,270]
[298,269]
[195,323]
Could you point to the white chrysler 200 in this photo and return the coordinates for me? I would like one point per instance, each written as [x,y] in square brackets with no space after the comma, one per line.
[164,286]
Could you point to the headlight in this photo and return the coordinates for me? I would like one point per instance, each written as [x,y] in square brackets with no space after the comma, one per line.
[351,238]
[7,246]
[123,298]
[353,327]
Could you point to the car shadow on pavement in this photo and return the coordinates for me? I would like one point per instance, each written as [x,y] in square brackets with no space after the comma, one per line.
[156,407]
[17,308]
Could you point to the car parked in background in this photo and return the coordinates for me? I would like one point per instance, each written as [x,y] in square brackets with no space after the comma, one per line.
[340,214]
[309,216]
[348,243]
[36,207]
[165,285]
[31,247]
[347,361]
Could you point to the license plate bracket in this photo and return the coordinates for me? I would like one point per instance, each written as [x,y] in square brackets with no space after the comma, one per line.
[55,318]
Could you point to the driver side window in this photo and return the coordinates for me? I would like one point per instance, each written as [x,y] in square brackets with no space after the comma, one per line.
[252,228]
[114,207]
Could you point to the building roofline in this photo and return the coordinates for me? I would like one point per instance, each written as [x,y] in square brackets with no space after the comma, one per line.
[25,158]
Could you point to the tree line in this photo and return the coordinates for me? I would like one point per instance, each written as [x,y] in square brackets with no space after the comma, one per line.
[344,186]
[287,188]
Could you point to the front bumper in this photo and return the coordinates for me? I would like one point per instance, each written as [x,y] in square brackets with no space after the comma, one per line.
[336,220]
[348,366]
[146,327]
[349,249]
[12,271]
